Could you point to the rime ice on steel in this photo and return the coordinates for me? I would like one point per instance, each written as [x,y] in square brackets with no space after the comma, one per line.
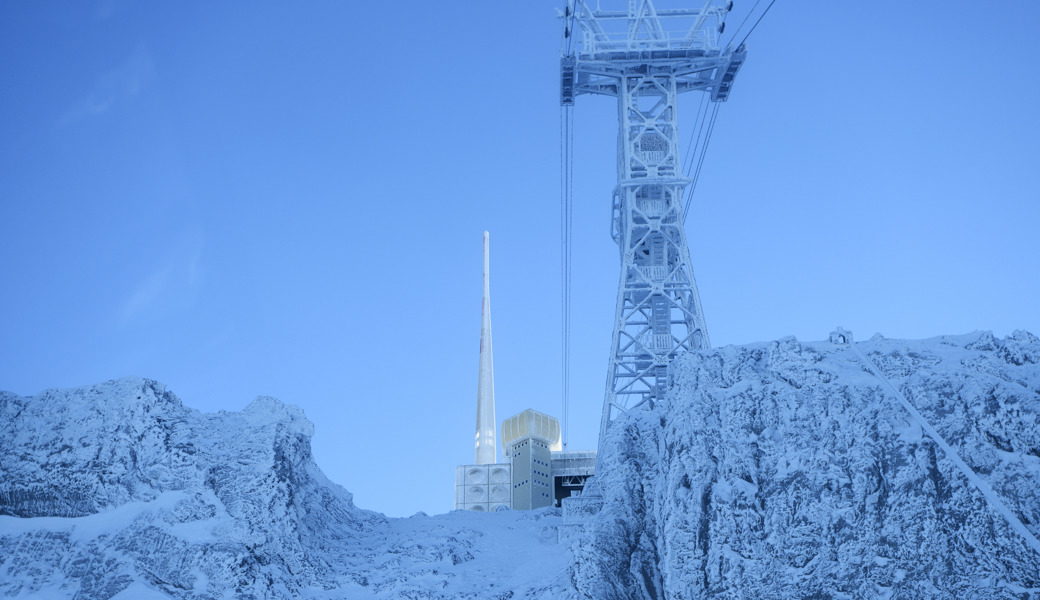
[646,57]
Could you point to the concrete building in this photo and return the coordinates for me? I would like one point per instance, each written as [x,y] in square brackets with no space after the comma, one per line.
[483,488]
[528,441]
[536,473]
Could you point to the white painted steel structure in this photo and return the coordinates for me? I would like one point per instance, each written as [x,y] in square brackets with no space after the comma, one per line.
[645,57]
[486,451]
[485,485]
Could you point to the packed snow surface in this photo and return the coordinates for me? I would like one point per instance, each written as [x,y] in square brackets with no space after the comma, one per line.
[773,470]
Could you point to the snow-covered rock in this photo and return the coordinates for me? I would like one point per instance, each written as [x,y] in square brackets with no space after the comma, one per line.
[119,491]
[774,470]
[786,470]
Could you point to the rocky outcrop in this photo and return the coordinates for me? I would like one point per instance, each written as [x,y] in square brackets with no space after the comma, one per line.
[119,491]
[193,504]
[774,470]
[784,470]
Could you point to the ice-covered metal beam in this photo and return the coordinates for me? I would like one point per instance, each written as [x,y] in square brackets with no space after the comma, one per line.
[646,57]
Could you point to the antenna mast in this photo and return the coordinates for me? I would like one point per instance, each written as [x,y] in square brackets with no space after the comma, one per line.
[486,450]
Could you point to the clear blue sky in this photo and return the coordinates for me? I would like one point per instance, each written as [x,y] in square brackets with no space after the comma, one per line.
[288,199]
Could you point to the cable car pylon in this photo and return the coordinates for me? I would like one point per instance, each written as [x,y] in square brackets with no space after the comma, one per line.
[645,57]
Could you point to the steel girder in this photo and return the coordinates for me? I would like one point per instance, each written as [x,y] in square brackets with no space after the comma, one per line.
[646,57]
[658,312]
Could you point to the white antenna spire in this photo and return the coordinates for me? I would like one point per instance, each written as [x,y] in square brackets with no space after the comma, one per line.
[485,439]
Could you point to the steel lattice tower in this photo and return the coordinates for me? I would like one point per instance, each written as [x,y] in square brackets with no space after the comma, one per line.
[646,57]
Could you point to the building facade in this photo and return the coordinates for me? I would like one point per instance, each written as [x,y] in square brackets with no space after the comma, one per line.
[536,473]
[483,488]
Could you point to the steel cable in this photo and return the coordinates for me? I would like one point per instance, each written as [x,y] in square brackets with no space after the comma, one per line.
[700,163]
[566,248]
[755,25]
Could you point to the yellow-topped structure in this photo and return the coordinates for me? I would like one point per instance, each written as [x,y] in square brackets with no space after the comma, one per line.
[534,424]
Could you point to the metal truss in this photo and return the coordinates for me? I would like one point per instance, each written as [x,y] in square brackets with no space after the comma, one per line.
[646,57]
[574,481]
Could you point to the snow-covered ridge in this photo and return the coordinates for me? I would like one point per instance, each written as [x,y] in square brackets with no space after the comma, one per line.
[118,490]
[785,469]
[773,470]
[74,452]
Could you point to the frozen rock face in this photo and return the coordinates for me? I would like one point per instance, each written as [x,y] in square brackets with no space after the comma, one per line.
[784,470]
[119,482]
[119,491]
[776,470]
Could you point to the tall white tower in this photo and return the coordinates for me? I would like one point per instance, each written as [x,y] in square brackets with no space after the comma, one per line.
[485,438]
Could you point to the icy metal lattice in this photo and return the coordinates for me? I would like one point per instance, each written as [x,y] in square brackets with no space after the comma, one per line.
[646,57]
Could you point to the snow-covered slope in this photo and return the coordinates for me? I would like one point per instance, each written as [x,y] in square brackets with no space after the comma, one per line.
[775,470]
[119,491]
[788,470]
